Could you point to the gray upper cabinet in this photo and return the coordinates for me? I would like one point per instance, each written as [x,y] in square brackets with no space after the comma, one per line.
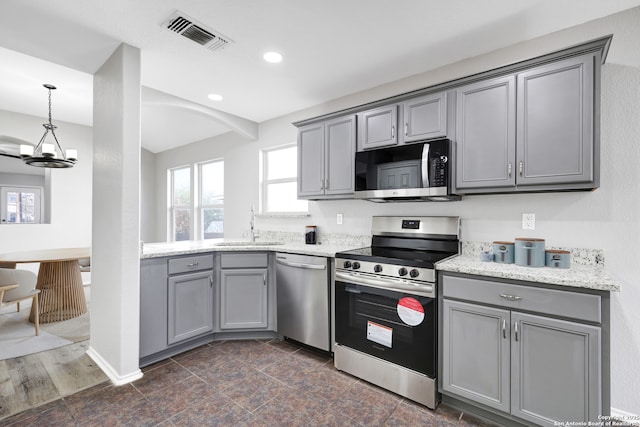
[310,164]
[326,153]
[555,123]
[190,302]
[531,131]
[378,127]
[486,134]
[425,117]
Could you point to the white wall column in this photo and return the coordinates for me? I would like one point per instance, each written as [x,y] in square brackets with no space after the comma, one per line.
[115,266]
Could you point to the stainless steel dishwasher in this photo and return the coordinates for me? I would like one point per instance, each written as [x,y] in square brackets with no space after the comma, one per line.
[303,299]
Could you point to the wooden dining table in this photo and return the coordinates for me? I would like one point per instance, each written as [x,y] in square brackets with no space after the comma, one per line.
[59,281]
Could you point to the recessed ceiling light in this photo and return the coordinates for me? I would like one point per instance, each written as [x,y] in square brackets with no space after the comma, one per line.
[273,57]
[215,97]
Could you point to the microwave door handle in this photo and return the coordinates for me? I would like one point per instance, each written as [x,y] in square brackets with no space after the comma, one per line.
[424,166]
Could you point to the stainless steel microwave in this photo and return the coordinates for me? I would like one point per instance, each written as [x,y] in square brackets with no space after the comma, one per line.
[419,171]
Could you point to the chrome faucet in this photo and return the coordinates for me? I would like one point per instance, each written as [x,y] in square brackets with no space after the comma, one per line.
[252,222]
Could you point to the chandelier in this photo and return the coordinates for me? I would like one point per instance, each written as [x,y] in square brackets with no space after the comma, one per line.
[48,155]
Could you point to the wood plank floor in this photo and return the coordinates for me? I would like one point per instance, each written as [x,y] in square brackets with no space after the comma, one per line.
[36,379]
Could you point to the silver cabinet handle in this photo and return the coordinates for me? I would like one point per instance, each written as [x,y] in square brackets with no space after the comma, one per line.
[326,183]
[393,132]
[521,167]
[504,328]
[210,281]
[322,184]
[509,169]
[406,129]
[264,279]
[192,265]
[510,297]
[515,326]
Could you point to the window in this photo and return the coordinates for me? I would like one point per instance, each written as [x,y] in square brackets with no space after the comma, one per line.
[280,181]
[211,212]
[180,209]
[196,195]
[21,205]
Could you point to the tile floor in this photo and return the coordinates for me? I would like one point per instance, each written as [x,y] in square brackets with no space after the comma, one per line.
[240,383]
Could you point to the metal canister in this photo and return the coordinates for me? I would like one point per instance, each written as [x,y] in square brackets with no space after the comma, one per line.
[557,258]
[529,252]
[503,252]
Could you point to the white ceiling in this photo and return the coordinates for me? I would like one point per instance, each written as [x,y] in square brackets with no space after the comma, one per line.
[331,48]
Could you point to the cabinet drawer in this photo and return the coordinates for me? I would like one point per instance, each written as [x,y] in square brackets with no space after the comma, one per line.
[236,260]
[190,263]
[572,305]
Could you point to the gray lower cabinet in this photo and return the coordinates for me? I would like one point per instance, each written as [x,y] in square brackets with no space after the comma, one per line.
[534,367]
[153,306]
[190,302]
[326,153]
[244,291]
[530,131]
[243,299]
[176,303]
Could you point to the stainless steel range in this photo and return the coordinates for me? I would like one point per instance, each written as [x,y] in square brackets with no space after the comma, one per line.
[386,305]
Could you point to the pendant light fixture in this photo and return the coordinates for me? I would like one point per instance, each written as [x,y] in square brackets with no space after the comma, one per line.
[48,155]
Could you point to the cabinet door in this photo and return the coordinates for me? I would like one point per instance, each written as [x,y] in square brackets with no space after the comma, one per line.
[486,134]
[555,370]
[340,150]
[153,306]
[190,305]
[311,160]
[555,123]
[243,295]
[476,353]
[378,127]
[425,117]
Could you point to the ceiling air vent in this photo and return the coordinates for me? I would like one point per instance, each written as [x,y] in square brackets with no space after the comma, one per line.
[181,24]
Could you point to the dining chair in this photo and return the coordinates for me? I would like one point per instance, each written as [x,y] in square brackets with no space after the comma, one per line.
[17,286]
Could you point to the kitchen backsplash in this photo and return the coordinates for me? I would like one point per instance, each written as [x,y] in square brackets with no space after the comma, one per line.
[322,238]
[579,256]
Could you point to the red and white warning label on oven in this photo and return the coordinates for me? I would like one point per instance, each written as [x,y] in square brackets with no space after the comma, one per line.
[379,333]
[410,311]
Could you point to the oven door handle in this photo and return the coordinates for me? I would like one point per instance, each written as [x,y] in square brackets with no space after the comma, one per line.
[391,284]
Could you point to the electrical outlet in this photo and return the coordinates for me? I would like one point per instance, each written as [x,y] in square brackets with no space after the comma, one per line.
[528,221]
[339,219]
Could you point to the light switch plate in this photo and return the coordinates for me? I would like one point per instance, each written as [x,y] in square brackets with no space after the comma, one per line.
[528,221]
[339,219]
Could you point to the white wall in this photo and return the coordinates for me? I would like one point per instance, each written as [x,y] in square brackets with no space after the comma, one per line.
[147,196]
[70,189]
[606,218]
[115,264]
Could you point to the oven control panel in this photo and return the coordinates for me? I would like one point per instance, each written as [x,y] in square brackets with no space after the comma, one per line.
[388,270]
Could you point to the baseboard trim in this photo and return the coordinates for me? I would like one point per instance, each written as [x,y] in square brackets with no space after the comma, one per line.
[115,378]
[626,417]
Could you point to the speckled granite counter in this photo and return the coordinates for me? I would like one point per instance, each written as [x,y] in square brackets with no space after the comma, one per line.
[579,276]
[155,250]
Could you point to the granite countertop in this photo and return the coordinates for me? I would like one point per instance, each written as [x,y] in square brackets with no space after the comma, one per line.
[578,276]
[156,250]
